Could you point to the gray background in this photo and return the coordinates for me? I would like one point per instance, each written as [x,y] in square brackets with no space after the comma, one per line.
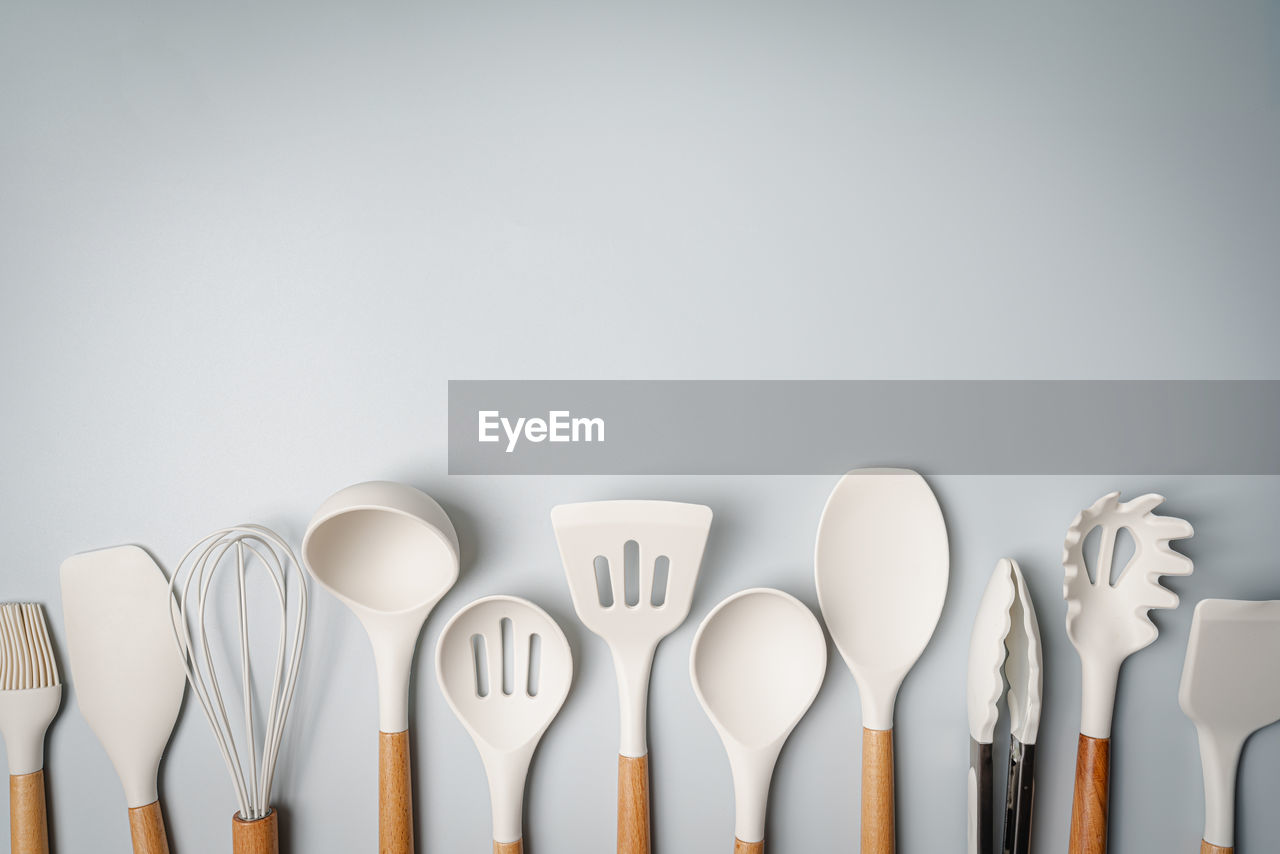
[243,246]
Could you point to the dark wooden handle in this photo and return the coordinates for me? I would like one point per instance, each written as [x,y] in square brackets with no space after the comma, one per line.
[633,805]
[260,836]
[740,847]
[28,824]
[516,847]
[395,794]
[146,826]
[1208,848]
[878,830]
[1089,803]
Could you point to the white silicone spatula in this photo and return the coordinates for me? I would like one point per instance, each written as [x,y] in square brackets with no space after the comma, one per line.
[1230,689]
[757,664]
[881,567]
[632,567]
[505,668]
[389,553]
[126,673]
[1107,621]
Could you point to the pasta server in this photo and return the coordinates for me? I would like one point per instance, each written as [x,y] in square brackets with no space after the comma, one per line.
[1005,644]
[632,567]
[1107,621]
[1230,689]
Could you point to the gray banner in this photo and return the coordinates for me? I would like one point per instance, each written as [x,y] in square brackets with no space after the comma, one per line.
[828,427]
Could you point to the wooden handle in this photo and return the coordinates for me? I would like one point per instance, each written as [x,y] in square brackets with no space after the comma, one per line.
[633,805]
[1208,848]
[1089,803]
[260,836]
[878,831]
[146,826]
[28,825]
[740,847]
[516,847]
[395,794]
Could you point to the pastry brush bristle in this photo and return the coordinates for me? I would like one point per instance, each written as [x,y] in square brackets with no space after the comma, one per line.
[26,655]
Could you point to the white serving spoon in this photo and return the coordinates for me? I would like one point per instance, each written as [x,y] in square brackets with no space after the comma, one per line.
[505,668]
[757,663]
[389,553]
[881,567]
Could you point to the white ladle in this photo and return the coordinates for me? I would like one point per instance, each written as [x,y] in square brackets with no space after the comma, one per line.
[505,668]
[757,663]
[389,553]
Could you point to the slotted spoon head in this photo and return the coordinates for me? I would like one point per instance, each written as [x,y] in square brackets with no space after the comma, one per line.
[1109,621]
[505,668]
[604,542]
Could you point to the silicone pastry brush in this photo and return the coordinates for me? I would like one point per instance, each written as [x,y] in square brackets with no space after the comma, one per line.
[1005,643]
[238,551]
[1230,688]
[30,693]
[632,567]
[1107,621]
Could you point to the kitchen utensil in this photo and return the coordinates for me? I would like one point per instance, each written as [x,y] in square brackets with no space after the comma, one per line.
[881,568]
[1230,689]
[30,693]
[1107,621]
[757,663]
[128,678]
[505,668]
[632,567]
[1005,642]
[389,553]
[255,828]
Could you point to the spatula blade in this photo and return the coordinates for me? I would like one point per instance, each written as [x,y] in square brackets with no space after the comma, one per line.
[1231,677]
[126,670]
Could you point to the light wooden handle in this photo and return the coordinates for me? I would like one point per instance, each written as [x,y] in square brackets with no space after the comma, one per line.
[1089,803]
[1209,848]
[740,847]
[260,836]
[633,805]
[395,794]
[516,847]
[878,830]
[28,825]
[146,826]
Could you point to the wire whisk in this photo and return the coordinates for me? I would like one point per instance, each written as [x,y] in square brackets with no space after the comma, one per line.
[239,548]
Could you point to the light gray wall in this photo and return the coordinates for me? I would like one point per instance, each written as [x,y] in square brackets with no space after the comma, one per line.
[243,246]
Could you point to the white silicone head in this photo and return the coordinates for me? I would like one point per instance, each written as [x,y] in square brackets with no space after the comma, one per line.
[881,568]
[126,671]
[1005,642]
[389,553]
[642,559]
[505,669]
[757,663]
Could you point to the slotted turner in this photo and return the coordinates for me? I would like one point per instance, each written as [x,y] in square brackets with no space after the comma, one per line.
[632,567]
[1230,689]
[1107,622]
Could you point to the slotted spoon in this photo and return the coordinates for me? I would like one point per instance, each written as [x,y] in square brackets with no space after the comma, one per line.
[632,567]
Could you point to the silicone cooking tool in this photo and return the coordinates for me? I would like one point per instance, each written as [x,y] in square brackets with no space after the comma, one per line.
[881,568]
[255,828]
[757,663]
[505,669]
[30,693]
[632,567]
[127,676]
[1005,641]
[389,553]
[1106,622]
[1230,689]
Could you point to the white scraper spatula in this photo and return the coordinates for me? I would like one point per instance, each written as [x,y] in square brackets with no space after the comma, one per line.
[126,673]
[1230,689]
[632,567]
